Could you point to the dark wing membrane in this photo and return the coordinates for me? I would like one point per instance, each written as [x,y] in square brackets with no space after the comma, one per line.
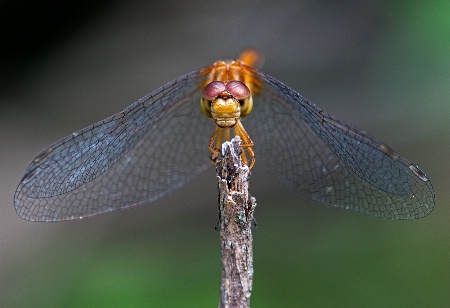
[332,162]
[137,156]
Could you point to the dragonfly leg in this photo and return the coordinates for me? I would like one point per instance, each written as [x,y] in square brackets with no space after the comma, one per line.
[215,142]
[246,145]
[222,134]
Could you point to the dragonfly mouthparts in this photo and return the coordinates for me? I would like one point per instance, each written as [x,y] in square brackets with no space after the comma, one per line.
[226,121]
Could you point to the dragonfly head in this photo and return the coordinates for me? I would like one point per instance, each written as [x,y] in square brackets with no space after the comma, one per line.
[226,103]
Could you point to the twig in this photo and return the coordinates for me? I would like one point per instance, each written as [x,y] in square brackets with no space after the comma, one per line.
[235,222]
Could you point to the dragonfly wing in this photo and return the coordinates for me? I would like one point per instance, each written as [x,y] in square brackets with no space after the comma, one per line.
[137,156]
[329,161]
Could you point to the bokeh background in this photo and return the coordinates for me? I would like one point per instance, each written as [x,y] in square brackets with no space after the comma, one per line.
[381,65]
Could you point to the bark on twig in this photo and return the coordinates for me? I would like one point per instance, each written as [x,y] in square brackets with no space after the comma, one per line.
[235,222]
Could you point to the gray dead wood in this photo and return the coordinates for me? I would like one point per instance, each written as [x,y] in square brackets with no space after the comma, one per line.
[236,208]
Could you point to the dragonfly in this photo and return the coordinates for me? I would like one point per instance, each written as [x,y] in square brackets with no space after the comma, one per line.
[160,143]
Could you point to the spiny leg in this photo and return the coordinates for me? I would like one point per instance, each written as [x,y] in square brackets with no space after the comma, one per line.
[214,143]
[246,145]
[222,134]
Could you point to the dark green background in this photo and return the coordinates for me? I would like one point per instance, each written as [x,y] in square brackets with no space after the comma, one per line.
[383,66]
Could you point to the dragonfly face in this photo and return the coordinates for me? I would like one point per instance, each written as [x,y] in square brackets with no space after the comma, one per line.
[158,144]
[226,103]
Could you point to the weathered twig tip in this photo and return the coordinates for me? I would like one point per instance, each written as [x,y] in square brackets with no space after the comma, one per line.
[236,209]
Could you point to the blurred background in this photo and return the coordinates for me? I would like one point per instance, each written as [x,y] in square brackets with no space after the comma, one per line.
[383,66]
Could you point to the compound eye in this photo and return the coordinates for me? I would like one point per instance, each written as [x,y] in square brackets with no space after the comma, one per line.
[238,89]
[212,90]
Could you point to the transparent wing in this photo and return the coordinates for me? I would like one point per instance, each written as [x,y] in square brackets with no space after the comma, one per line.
[329,161]
[141,154]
